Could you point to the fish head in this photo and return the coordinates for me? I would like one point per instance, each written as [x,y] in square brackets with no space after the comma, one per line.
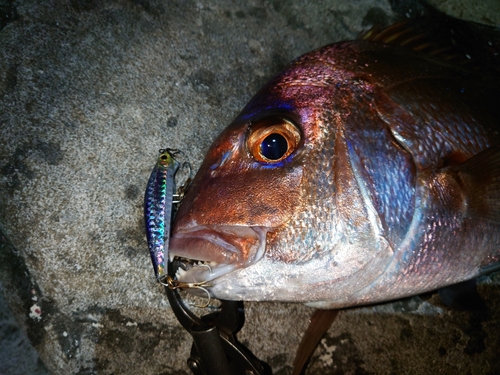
[275,212]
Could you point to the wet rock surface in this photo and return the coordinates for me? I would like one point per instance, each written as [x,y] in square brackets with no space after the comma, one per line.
[89,91]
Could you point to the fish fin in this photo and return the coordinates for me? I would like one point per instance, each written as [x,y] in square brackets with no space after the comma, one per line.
[479,177]
[463,296]
[490,268]
[321,321]
[404,34]
[428,30]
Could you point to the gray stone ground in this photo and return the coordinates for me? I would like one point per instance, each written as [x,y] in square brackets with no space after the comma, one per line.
[89,91]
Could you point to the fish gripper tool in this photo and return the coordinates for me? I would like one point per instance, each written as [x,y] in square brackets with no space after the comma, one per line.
[215,350]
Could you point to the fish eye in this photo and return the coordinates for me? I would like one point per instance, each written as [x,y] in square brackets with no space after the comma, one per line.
[274,146]
[272,139]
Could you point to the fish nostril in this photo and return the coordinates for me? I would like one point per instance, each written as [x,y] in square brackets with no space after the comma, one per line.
[224,158]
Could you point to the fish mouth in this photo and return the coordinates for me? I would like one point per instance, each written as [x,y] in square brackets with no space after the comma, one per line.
[203,253]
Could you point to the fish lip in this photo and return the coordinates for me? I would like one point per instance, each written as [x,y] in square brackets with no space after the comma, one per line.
[221,249]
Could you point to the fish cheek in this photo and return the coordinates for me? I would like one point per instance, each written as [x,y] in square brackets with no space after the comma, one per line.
[278,198]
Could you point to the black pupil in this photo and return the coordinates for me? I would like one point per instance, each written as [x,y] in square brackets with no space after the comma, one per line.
[274,146]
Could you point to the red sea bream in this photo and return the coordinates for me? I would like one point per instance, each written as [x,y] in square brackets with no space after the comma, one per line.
[363,172]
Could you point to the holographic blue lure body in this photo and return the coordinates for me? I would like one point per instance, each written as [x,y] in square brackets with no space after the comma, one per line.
[158,202]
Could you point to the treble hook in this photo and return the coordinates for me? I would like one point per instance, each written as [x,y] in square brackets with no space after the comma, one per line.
[204,265]
[173,284]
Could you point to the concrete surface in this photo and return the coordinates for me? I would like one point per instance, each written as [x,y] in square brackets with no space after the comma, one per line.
[89,91]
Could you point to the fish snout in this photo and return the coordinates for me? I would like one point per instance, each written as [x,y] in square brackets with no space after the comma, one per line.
[207,252]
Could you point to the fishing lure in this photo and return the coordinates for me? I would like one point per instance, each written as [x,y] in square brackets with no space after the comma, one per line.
[158,202]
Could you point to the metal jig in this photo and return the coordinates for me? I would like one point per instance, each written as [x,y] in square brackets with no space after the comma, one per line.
[158,208]
[159,201]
